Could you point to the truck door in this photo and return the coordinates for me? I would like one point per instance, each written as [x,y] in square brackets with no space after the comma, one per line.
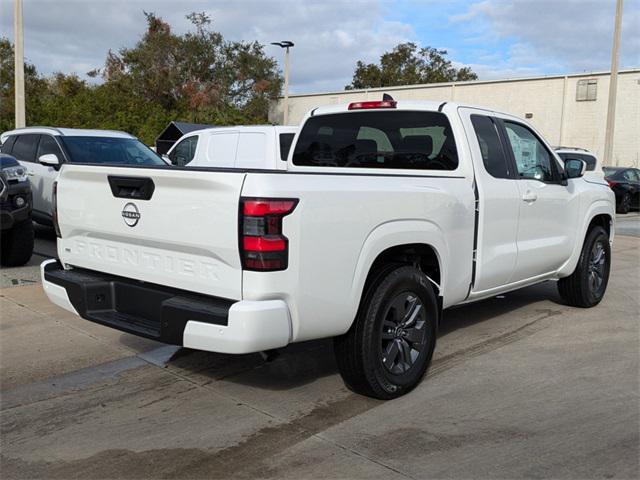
[498,201]
[549,206]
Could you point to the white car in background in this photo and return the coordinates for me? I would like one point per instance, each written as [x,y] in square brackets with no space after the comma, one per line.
[250,147]
[43,150]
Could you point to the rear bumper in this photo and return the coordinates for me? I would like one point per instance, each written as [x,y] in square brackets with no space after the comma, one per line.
[166,314]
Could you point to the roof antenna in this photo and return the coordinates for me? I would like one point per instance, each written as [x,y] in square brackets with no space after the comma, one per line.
[387,98]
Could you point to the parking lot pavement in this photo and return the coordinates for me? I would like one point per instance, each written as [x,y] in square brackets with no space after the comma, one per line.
[44,247]
[628,224]
[520,386]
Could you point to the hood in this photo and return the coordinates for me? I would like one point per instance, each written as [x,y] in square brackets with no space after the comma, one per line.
[7,161]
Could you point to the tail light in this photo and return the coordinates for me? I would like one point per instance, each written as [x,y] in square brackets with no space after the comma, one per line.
[371,105]
[612,184]
[54,208]
[263,247]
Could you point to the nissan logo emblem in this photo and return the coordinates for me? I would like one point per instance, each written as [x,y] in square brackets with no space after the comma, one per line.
[131,214]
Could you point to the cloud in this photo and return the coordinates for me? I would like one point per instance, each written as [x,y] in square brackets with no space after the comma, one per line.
[550,36]
[330,36]
[497,38]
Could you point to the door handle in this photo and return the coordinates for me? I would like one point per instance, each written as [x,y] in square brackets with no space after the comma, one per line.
[529,197]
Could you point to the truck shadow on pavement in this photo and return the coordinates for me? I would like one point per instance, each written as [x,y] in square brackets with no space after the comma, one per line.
[307,362]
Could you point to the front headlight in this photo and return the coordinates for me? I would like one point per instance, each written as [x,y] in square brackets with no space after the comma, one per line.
[18,173]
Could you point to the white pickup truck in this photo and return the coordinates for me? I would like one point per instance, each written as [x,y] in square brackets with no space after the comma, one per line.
[388,214]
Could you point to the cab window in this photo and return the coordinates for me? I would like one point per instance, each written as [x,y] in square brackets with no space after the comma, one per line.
[413,140]
[533,160]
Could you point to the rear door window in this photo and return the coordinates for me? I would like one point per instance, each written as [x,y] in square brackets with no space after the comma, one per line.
[25,147]
[384,140]
[493,156]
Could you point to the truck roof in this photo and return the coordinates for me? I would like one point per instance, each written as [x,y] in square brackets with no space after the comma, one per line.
[252,128]
[426,105]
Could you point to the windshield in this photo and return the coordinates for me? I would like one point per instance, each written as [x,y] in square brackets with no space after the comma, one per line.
[110,150]
[399,140]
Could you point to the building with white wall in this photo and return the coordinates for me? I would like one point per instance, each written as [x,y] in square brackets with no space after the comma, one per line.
[569,110]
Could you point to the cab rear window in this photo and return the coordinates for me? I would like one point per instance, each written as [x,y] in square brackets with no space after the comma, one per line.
[385,140]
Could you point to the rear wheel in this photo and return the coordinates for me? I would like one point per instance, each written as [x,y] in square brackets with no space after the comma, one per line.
[625,204]
[16,244]
[389,347]
[586,286]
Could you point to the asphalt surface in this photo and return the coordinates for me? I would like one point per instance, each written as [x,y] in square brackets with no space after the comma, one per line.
[628,224]
[521,386]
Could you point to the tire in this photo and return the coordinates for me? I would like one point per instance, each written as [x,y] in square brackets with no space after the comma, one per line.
[387,364]
[625,204]
[16,244]
[586,286]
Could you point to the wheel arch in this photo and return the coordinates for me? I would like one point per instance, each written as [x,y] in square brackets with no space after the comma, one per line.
[419,243]
[600,214]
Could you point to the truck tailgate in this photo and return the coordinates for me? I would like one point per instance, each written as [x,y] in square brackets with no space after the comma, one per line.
[170,227]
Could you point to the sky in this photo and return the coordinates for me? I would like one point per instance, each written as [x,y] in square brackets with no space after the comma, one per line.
[496,38]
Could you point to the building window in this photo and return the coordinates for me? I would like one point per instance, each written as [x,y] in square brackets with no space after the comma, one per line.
[586,90]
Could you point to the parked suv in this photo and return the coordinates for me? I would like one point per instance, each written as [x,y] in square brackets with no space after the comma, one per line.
[16,228]
[42,150]
[251,147]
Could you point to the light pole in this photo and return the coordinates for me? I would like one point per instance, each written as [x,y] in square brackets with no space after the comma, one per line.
[19,64]
[613,88]
[286,44]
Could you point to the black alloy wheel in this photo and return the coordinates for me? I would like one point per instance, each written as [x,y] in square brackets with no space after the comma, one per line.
[403,332]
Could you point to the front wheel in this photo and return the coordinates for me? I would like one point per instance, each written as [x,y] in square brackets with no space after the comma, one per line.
[586,286]
[389,347]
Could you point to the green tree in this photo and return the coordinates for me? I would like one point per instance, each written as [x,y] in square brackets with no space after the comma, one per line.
[407,64]
[198,76]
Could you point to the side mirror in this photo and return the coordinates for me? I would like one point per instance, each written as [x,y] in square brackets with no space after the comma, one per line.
[50,160]
[574,167]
